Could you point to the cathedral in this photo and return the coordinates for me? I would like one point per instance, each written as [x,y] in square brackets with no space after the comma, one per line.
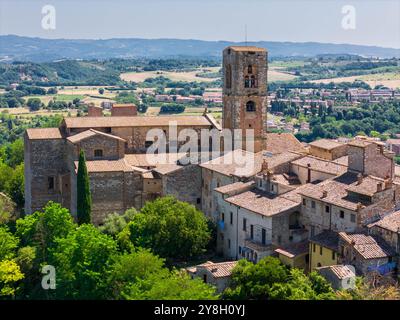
[120,173]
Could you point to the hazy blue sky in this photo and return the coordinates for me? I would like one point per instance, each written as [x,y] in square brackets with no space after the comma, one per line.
[377,21]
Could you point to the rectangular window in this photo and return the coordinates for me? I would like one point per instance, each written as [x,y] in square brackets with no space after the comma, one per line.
[327,209]
[231,217]
[98,153]
[244,224]
[240,250]
[304,202]
[229,243]
[263,237]
[50,183]
[333,255]
[341,214]
[198,200]
[251,232]
[313,204]
[320,251]
[353,217]
[313,246]
[223,217]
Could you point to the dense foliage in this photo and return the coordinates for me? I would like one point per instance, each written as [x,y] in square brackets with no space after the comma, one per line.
[172,229]
[89,264]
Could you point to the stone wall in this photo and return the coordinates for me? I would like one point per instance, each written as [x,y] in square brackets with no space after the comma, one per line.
[44,161]
[184,184]
[236,95]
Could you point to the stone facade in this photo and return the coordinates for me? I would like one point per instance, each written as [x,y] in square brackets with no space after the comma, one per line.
[245,92]
[117,181]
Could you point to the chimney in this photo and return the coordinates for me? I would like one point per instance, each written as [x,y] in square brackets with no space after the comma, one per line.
[379,187]
[359,178]
[308,172]
[388,183]
[94,111]
[123,110]
[264,166]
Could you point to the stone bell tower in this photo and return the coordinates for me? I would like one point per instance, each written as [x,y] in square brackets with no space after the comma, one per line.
[245,92]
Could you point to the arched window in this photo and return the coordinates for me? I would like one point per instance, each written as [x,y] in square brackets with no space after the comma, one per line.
[250,69]
[228,76]
[250,106]
[246,82]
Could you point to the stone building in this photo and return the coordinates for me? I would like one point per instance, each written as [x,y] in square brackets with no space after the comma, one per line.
[120,174]
[366,253]
[245,92]
[217,274]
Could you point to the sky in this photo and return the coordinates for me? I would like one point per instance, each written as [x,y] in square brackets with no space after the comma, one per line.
[369,22]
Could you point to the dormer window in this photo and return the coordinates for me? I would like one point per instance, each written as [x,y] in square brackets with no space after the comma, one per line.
[98,153]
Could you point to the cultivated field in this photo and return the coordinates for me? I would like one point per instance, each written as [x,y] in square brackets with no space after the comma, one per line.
[174,76]
[25,113]
[274,74]
[389,79]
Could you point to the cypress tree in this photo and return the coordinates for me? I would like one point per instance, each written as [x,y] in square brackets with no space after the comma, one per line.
[84,199]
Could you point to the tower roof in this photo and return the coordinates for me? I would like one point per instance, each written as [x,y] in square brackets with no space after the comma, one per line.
[247,48]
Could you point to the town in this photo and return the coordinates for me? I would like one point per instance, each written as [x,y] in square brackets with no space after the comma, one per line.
[328,205]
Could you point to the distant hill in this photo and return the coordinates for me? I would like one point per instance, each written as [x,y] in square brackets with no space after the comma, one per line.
[13,48]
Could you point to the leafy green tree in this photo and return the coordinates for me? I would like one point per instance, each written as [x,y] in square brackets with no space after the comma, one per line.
[34,104]
[177,286]
[101,90]
[15,186]
[8,243]
[13,153]
[84,199]
[114,223]
[269,279]
[172,229]
[253,281]
[140,275]
[82,260]
[42,228]
[10,275]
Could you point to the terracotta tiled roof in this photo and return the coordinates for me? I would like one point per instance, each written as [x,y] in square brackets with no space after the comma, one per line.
[237,186]
[340,271]
[321,165]
[294,249]
[106,166]
[368,186]
[219,270]
[282,142]
[326,144]
[135,121]
[327,239]
[390,222]
[43,133]
[261,202]
[359,143]
[123,105]
[90,133]
[336,194]
[236,163]
[367,246]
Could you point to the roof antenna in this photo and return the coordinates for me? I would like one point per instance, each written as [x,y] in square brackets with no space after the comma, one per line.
[245,34]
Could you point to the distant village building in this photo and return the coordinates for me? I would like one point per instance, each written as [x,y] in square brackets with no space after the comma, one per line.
[341,277]
[217,274]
